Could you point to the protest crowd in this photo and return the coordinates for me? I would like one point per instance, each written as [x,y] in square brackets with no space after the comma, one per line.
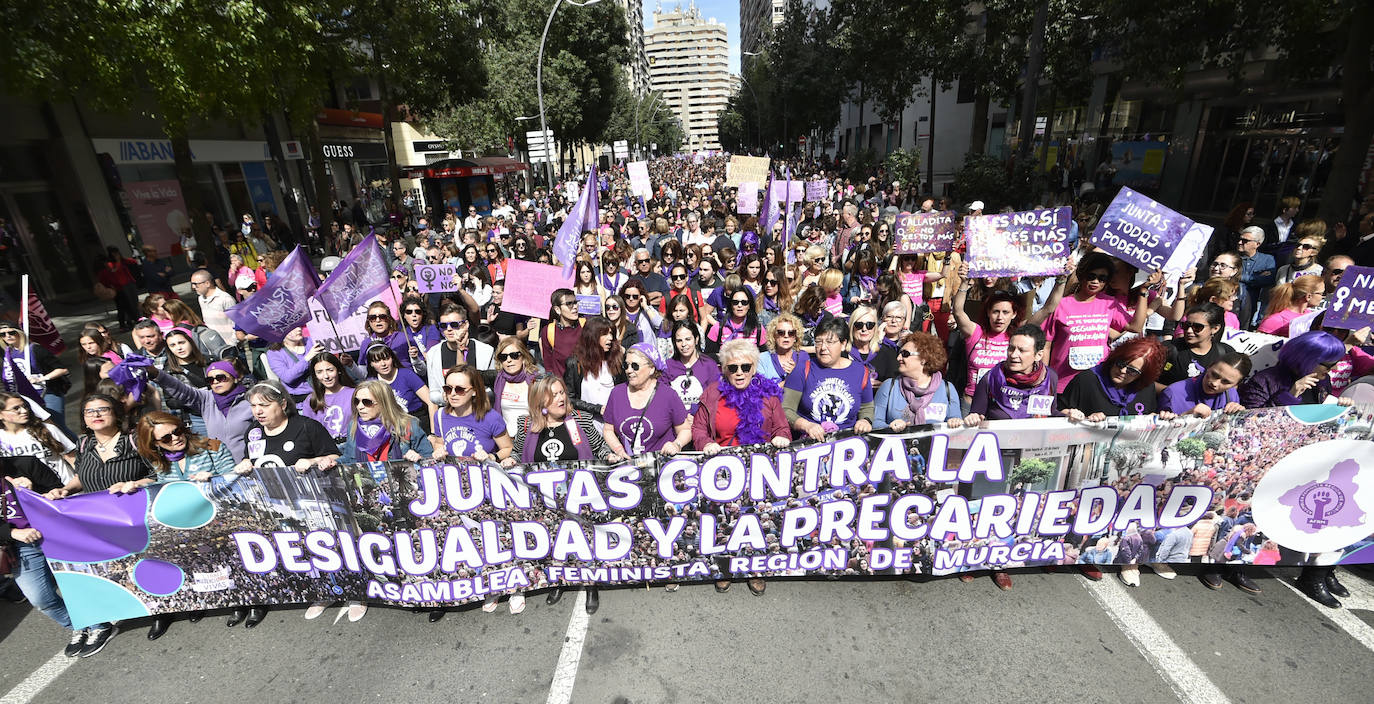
[682,315]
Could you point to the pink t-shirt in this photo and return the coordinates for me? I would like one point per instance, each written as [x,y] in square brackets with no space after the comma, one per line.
[1355,364]
[1277,324]
[913,284]
[984,353]
[1079,335]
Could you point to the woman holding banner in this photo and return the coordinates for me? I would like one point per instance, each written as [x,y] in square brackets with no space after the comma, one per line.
[1020,387]
[1212,391]
[829,392]
[644,414]
[1082,326]
[1289,301]
[919,394]
[466,426]
[1123,384]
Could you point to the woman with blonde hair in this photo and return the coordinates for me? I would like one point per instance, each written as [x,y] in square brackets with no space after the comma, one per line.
[510,392]
[830,281]
[1221,290]
[382,430]
[784,348]
[1291,300]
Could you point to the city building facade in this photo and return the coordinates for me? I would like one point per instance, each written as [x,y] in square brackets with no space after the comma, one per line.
[689,63]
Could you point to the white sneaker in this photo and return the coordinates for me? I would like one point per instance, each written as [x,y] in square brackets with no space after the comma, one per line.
[315,610]
[489,605]
[356,611]
[1163,570]
[1129,575]
[517,603]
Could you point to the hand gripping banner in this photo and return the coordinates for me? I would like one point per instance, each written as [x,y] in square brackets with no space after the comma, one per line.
[1271,486]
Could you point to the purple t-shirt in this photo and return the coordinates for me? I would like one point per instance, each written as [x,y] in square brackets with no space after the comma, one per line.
[407,385]
[647,429]
[464,434]
[689,383]
[1181,396]
[995,399]
[833,395]
[337,414]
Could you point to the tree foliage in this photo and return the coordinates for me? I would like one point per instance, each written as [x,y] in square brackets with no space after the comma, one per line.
[1032,470]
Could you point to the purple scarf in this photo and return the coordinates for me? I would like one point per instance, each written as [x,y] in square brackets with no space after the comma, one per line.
[748,405]
[225,400]
[1121,398]
[174,455]
[918,397]
[502,378]
[370,437]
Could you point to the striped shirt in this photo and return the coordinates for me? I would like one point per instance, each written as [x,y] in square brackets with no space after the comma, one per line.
[99,475]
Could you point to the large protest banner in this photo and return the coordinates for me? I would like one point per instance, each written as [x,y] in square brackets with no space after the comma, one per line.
[1026,243]
[925,233]
[1144,233]
[1352,303]
[745,169]
[932,500]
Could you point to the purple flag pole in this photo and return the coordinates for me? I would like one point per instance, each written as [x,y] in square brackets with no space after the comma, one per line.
[566,242]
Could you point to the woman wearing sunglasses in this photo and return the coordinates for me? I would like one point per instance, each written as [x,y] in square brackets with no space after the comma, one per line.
[784,348]
[919,393]
[1123,384]
[223,405]
[865,346]
[643,414]
[467,426]
[177,454]
[331,396]
[26,434]
[456,346]
[1083,325]
[382,430]
[420,332]
[381,328]
[510,391]
[410,389]
[1198,346]
[680,284]
[48,375]
[738,320]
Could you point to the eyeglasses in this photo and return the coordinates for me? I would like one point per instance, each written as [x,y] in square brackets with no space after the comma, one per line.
[508,356]
[378,316]
[679,277]
[1127,369]
[735,368]
[786,333]
[904,353]
[10,333]
[218,378]
[451,324]
[641,261]
[632,296]
[364,402]
[179,432]
[612,307]
[866,325]
[414,311]
[828,342]
[571,302]
[1195,327]
[1305,245]
[770,282]
[1336,272]
[1247,240]
[95,412]
[399,277]
[1222,265]
[21,408]
[1095,276]
[457,390]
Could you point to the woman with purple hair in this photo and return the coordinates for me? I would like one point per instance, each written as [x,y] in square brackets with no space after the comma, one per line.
[1301,377]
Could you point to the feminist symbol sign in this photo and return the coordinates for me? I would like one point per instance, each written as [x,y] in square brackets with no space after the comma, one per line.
[1352,304]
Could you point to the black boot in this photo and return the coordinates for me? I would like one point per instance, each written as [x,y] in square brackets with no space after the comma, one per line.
[554,596]
[236,617]
[593,600]
[1312,582]
[1334,586]
[435,615]
[255,616]
[159,627]
[195,616]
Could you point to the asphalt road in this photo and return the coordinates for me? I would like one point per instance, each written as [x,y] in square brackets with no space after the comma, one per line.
[1055,637]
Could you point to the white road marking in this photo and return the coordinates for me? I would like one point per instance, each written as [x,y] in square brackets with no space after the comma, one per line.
[1361,597]
[1174,666]
[25,691]
[565,674]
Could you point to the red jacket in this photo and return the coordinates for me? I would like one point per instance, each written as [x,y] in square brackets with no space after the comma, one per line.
[116,277]
[704,420]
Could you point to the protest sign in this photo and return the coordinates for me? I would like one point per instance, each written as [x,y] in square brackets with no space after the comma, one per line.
[1262,348]
[1352,304]
[588,304]
[743,169]
[345,335]
[432,534]
[436,278]
[639,178]
[536,283]
[796,190]
[923,233]
[817,191]
[1027,243]
[1140,231]
[747,200]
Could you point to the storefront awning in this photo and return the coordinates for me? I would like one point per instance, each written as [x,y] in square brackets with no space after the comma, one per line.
[459,168]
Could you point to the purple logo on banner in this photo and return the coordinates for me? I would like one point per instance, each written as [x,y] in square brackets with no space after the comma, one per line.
[1139,231]
[747,201]
[1027,243]
[283,303]
[817,190]
[435,278]
[924,233]
[1352,304]
[357,279]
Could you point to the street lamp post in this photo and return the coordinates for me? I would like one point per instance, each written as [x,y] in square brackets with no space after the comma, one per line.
[539,84]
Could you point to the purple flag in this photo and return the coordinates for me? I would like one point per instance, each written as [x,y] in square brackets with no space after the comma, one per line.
[794,195]
[283,303]
[770,209]
[582,217]
[361,276]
